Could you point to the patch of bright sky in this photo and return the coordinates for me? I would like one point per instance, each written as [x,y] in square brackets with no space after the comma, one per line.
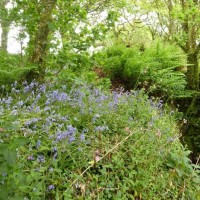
[15,45]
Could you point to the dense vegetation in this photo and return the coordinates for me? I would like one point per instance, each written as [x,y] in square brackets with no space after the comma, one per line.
[82,142]
[119,123]
[154,68]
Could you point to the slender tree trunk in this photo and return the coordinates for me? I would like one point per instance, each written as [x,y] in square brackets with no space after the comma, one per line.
[191,48]
[171,19]
[41,38]
[5,25]
[4,36]
[193,71]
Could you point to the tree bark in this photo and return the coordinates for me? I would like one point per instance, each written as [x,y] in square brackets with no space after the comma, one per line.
[190,29]
[193,71]
[5,25]
[41,38]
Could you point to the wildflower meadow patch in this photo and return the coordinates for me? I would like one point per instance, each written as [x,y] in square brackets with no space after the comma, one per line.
[85,143]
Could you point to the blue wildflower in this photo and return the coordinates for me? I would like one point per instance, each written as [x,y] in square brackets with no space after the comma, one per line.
[38,144]
[51,187]
[51,169]
[101,128]
[41,159]
[71,130]
[20,103]
[4,174]
[55,153]
[82,137]
[31,158]
[71,139]
[68,133]
[32,121]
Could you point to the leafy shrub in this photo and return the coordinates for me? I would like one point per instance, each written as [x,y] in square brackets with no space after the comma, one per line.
[9,61]
[18,74]
[85,143]
[70,78]
[153,69]
[66,59]
[11,69]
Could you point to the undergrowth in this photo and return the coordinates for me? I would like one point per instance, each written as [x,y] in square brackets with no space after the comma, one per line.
[86,143]
[155,68]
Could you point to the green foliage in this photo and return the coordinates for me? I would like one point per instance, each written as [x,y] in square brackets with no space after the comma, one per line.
[71,68]
[8,61]
[154,69]
[5,77]
[85,143]
[69,59]
[70,78]
[11,69]
[18,74]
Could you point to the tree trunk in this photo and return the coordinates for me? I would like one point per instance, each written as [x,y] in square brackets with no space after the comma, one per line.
[193,71]
[4,35]
[191,134]
[41,37]
[5,25]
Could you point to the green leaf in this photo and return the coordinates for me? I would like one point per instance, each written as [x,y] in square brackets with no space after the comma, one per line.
[10,156]
[20,141]
[4,193]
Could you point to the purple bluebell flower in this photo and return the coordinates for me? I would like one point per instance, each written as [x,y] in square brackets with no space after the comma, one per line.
[101,128]
[48,102]
[101,98]
[71,130]
[8,101]
[32,84]
[4,174]
[20,103]
[61,135]
[41,158]
[31,158]
[68,133]
[96,116]
[14,90]
[64,119]
[55,152]
[160,104]
[26,89]
[38,144]
[51,169]
[82,137]
[71,138]
[32,121]
[37,109]
[38,96]
[62,97]
[42,88]
[14,112]
[25,82]
[51,187]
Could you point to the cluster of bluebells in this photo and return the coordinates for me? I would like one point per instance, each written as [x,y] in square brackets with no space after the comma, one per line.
[55,120]
[39,98]
[69,133]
